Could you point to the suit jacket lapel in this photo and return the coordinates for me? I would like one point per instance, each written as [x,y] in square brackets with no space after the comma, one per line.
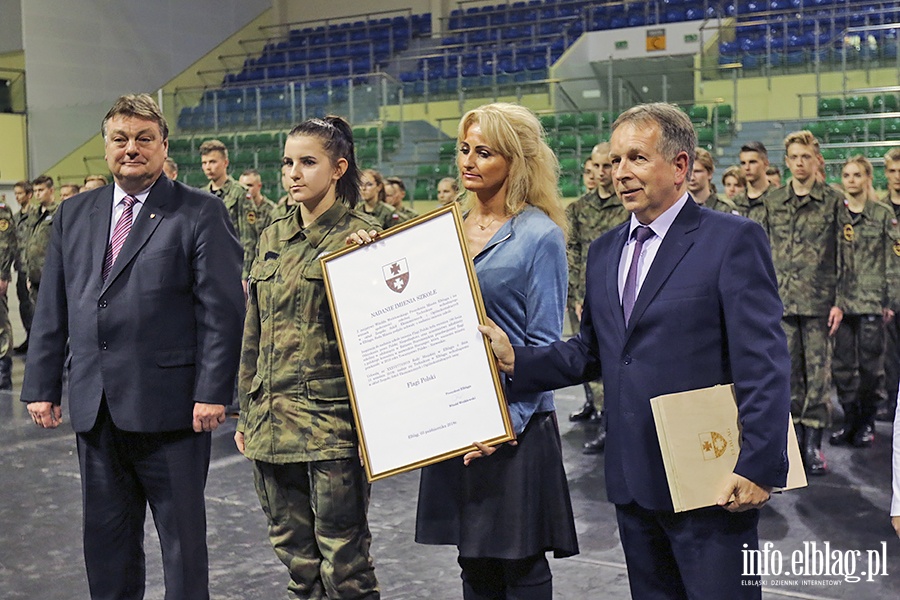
[612,279]
[674,246]
[100,219]
[145,224]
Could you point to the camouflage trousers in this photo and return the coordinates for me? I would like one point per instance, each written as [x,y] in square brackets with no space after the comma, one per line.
[858,366]
[6,336]
[892,362]
[810,350]
[316,513]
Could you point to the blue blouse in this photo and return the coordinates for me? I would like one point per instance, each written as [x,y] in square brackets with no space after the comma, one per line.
[523,276]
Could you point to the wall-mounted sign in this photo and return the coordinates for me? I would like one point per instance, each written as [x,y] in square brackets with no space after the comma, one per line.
[656,40]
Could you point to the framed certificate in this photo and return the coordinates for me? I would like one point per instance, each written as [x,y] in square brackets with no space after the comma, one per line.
[423,381]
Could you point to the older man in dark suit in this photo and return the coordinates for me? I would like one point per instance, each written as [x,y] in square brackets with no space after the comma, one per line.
[143,278]
[679,298]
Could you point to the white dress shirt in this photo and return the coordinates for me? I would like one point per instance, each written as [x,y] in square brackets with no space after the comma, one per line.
[118,207]
[660,227]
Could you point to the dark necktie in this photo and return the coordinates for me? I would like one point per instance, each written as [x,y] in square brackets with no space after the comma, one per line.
[629,294]
[121,231]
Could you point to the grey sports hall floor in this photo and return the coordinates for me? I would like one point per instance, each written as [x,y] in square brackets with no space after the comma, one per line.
[40,523]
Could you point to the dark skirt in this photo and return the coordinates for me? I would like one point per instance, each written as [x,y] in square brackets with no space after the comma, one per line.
[510,505]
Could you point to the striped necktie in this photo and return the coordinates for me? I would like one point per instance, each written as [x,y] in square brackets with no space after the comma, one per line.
[121,231]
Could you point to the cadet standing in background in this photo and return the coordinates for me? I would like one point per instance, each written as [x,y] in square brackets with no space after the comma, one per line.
[803,223]
[447,191]
[700,184]
[868,277]
[8,252]
[754,161]
[394,194]
[252,180]
[892,346]
[24,191]
[170,168]
[39,225]
[214,160]
[374,205]
[734,183]
[592,215]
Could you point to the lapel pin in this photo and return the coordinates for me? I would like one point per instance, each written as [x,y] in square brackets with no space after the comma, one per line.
[152,215]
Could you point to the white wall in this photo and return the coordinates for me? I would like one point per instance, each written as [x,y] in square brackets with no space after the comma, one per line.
[81,55]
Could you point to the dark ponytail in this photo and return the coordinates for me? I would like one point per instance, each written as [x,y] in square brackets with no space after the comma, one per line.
[337,140]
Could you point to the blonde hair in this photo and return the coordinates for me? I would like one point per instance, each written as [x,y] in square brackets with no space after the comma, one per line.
[515,133]
[804,137]
[703,157]
[892,155]
[866,167]
[736,172]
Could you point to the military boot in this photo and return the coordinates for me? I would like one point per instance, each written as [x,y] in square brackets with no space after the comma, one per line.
[584,413]
[5,373]
[813,458]
[596,445]
[847,432]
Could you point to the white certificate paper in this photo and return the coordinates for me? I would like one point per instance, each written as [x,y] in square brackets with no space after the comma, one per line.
[423,381]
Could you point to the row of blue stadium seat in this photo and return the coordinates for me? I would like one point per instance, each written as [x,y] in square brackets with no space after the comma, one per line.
[338,50]
[419,24]
[614,15]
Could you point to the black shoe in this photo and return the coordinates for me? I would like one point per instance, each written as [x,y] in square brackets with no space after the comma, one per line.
[21,348]
[814,460]
[885,413]
[584,413]
[5,373]
[843,436]
[596,445]
[864,436]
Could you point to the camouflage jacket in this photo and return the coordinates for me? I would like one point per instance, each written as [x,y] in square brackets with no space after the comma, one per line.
[264,216]
[294,400]
[754,209]
[382,213]
[723,204]
[895,257]
[281,209]
[402,215]
[22,233]
[8,241]
[867,268]
[243,214]
[589,218]
[39,225]
[804,233]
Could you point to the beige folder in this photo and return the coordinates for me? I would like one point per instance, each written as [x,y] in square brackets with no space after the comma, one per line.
[700,438]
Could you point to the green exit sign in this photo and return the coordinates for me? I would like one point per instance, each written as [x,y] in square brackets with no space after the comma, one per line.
[622,45]
[691,38]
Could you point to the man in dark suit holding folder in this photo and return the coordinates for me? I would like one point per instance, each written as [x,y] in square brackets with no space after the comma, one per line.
[679,298]
[143,279]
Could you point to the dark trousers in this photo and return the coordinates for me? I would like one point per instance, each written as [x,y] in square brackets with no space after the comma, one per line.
[892,362]
[121,473]
[695,554]
[26,308]
[499,579]
[858,368]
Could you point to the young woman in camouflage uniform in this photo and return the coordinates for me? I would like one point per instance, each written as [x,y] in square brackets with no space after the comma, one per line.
[295,421]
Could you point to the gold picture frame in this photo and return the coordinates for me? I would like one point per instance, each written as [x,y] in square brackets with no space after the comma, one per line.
[423,381]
